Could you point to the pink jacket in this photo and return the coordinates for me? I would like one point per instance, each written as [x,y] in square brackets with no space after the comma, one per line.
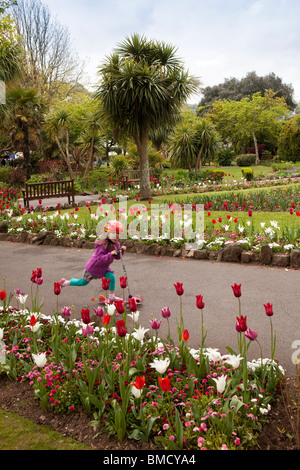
[100,261]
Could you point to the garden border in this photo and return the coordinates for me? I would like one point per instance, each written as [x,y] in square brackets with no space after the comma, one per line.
[232,253]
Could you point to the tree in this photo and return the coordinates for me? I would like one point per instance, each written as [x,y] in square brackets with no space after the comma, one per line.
[193,141]
[48,60]
[245,118]
[22,120]
[235,90]
[289,141]
[10,50]
[143,85]
[57,126]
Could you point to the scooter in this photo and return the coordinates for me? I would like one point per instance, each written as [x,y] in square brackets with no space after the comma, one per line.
[104,300]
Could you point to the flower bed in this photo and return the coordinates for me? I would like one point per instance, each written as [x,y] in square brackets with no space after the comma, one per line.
[135,383]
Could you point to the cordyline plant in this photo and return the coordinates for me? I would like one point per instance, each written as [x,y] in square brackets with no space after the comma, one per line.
[141,385]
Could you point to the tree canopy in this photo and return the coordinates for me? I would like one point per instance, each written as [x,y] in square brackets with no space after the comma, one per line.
[233,89]
[143,86]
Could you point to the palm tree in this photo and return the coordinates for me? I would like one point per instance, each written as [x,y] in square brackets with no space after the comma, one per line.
[206,141]
[143,86]
[181,147]
[57,126]
[23,116]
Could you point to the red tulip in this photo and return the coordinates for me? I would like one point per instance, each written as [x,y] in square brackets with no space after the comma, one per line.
[165,312]
[241,324]
[139,382]
[119,304]
[123,282]
[199,302]
[32,320]
[179,288]
[237,290]
[33,276]
[164,383]
[121,330]
[269,309]
[105,283]
[132,304]
[57,288]
[185,335]
[105,320]
[2,294]
[39,272]
[250,334]
[85,315]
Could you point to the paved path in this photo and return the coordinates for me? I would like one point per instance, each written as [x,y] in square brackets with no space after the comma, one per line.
[153,278]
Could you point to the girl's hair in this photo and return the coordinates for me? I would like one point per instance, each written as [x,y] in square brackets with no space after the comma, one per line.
[109,244]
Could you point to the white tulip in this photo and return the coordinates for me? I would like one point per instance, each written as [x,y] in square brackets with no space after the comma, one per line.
[233,360]
[136,392]
[22,299]
[1,333]
[111,309]
[134,316]
[140,333]
[40,359]
[221,383]
[160,365]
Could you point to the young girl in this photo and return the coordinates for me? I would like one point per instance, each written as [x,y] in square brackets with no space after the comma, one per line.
[107,250]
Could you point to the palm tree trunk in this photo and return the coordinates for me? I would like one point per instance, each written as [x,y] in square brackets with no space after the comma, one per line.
[199,158]
[65,157]
[90,159]
[142,147]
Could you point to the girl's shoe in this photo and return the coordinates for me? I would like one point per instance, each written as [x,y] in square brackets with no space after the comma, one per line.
[63,282]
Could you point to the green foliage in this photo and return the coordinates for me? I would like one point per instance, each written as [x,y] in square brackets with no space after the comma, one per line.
[225,156]
[289,141]
[212,174]
[247,159]
[248,173]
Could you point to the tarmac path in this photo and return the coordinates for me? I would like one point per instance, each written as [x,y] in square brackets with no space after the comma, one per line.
[153,279]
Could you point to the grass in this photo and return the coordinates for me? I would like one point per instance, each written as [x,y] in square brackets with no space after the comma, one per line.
[17,433]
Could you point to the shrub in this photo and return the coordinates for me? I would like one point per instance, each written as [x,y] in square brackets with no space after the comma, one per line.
[289,141]
[212,174]
[248,173]
[4,173]
[246,160]
[225,157]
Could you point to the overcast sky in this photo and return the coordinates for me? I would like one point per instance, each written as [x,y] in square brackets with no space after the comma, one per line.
[216,39]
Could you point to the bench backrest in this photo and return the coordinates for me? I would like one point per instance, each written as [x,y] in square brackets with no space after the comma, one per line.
[135,174]
[49,188]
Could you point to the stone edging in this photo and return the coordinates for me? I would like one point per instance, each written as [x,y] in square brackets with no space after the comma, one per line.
[232,253]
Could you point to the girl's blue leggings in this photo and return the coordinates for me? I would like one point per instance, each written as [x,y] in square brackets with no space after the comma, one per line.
[87,278]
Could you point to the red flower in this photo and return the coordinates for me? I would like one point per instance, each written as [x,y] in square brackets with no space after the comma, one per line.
[237,290]
[57,288]
[164,383]
[121,330]
[269,309]
[199,302]
[32,320]
[33,276]
[85,315]
[185,335]
[119,306]
[241,324]
[2,294]
[132,304]
[123,282]
[139,382]
[250,334]
[105,320]
[179,288]
[105,283]
[39,273]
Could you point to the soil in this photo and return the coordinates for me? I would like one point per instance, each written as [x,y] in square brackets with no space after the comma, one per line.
[17,397]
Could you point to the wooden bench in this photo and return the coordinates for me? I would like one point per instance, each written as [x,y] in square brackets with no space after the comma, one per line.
[49,189]
[133,176]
